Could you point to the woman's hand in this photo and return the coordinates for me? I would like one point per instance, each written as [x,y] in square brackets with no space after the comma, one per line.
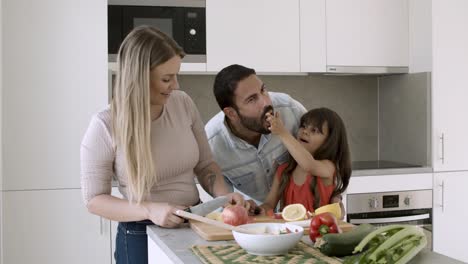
[276,124]
[163,214]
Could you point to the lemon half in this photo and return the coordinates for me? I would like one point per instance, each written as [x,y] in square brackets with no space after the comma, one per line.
[333,208]
[294,212]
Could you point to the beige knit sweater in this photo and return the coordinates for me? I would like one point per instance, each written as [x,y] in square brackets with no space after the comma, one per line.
[179,146]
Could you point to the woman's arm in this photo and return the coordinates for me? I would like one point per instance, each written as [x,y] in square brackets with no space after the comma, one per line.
[321,168]
[212,181]
[121,210]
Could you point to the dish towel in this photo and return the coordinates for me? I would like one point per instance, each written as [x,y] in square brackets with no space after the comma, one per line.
[233,253]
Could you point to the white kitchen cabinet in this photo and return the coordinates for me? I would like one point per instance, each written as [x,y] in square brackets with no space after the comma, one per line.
[313,36]
[260,34]
[449,236]
[449,85]
[52,226]
[54,79]
[367,33]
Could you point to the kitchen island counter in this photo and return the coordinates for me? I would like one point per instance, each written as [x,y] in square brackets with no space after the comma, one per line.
[173,246]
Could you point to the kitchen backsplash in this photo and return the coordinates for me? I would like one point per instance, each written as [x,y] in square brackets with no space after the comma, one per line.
[404,118]
[354,98]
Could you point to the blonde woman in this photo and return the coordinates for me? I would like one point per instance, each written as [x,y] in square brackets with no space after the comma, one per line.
[152,141]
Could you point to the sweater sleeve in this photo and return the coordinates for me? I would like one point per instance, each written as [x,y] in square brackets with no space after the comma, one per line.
[205,158]
[97,159]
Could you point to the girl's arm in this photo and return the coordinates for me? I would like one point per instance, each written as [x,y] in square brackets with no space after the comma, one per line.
[273,196]
[320,168]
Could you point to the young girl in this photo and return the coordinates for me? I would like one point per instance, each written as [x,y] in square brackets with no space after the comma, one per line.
[319,166]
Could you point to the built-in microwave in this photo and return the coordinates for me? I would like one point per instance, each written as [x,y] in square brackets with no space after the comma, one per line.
[186,25]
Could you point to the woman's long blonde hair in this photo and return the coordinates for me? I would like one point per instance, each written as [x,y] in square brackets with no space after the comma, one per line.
[142,50]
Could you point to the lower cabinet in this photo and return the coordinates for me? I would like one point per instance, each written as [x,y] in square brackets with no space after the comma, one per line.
[52,226]
[449,214]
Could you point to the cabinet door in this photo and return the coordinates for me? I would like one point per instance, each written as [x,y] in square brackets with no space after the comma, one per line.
[55,79]
[449,214]
[260,34]
[53,227]
[367,32]
[449,85]
[313,36]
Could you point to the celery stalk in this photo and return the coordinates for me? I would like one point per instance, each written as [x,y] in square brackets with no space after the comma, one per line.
[370,236]
[405,232]
[409,255]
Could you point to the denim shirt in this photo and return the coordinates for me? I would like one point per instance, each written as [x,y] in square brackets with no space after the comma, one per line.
[248,169]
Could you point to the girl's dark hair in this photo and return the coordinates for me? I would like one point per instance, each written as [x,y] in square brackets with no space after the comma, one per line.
[335,148]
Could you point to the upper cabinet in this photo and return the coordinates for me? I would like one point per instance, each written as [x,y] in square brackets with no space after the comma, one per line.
[449,84]
[262,34]
[313,36]
[367,33]
[55,81]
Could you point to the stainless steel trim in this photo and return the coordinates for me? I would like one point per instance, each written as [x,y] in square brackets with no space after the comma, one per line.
[194,58]
[366,69]
[189,58]
[361,202]
[183,3]
[389,219]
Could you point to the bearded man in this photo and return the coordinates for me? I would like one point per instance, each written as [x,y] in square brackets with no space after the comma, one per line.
[239,136]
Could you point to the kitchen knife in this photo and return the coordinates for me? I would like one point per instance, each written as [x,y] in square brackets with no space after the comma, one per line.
[208,207]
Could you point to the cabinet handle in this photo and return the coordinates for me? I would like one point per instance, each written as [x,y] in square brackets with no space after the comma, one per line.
[100,226]
[442,144]
[442,204]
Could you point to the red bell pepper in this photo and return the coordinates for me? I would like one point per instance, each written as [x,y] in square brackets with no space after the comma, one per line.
[322,224]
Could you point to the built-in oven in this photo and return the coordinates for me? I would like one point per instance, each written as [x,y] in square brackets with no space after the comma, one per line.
[384,208]
[185,24]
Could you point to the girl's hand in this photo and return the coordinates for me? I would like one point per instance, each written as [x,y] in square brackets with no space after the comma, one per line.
[254,209]
[163,214]
[236,198]
[276,124]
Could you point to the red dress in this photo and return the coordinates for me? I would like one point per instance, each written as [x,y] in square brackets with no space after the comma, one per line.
[302,194]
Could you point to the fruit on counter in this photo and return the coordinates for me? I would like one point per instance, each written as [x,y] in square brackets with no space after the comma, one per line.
[235,215]
[294,212]
[333,208]
[343,244]
[389,244]
[321,224]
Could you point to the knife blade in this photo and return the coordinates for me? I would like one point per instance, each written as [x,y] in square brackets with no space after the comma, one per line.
[208,207]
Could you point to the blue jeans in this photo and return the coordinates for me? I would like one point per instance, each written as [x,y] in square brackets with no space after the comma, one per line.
[131,245]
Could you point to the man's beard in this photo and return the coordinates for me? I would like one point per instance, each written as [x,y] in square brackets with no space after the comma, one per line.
[254,124]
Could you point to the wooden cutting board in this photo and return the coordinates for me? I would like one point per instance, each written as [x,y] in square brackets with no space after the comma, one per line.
[213,233]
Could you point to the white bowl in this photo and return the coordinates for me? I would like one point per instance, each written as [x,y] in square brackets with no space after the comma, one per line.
[271,243]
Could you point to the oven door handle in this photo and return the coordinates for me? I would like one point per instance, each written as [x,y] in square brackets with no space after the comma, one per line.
[390,219]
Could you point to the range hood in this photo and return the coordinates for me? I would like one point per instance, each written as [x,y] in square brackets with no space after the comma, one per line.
[366,69]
